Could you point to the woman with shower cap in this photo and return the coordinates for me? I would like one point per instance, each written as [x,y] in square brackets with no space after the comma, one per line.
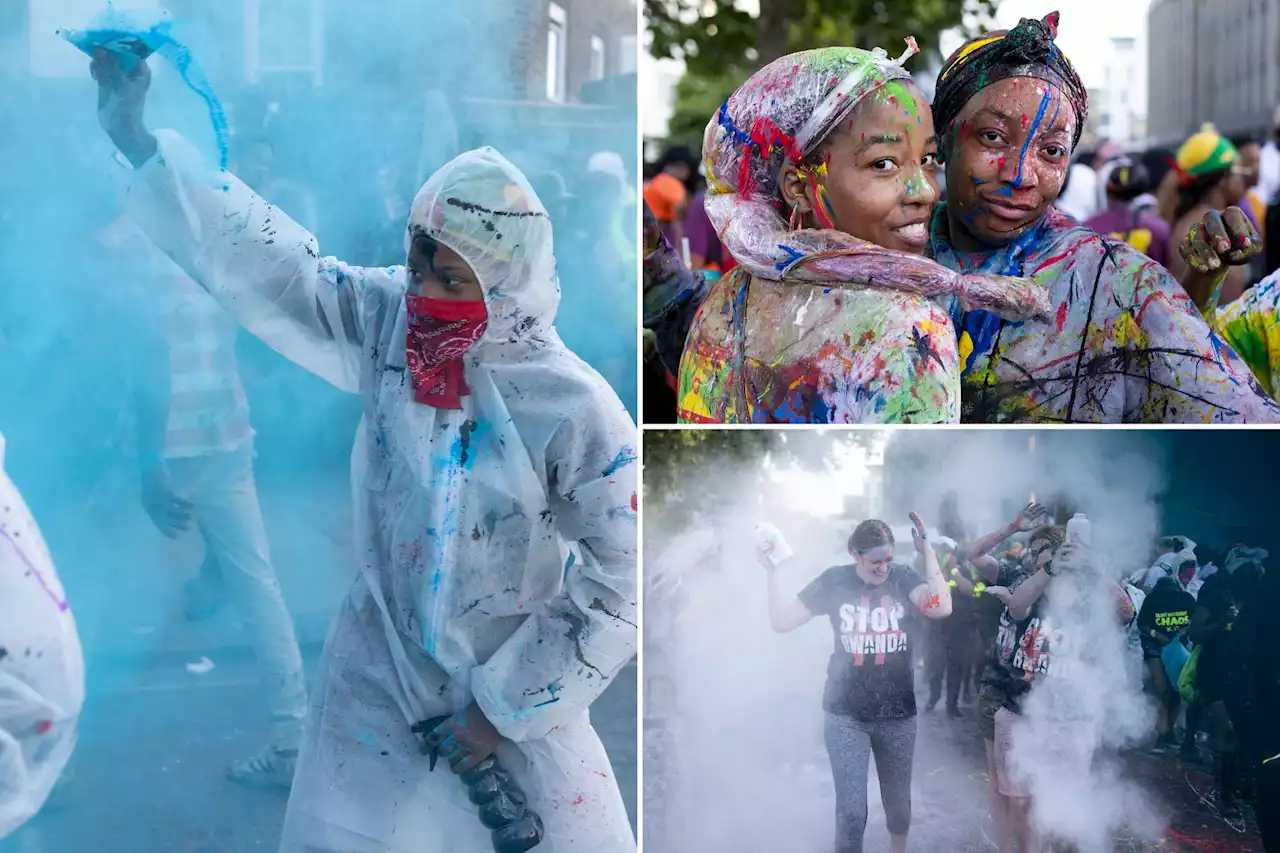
[494,502]
[1123,341]
[820,181]
[41,665]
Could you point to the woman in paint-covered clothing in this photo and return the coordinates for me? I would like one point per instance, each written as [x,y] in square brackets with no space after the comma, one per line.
[869,700]
[820,180]
[494,501]
[41,665]
[1123,342]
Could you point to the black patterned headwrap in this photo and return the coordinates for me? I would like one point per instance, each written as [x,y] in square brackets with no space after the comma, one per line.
[1027,50]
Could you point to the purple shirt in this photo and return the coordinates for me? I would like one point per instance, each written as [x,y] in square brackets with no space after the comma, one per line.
[1146,232]
[702,236]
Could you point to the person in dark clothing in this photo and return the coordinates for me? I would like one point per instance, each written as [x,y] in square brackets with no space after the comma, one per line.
[1164,617]
[995,682]
[869,700]
[1220,679]
[1261,688]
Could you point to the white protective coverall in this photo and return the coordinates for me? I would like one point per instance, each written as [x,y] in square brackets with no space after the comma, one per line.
[496,544]
[41,665]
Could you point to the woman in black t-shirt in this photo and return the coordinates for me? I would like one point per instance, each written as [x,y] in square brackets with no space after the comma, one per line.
[869,700]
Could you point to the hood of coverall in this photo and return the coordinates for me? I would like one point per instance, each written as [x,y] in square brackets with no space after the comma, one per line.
[482,207]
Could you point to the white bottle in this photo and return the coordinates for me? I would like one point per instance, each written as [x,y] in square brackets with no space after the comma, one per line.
[1078,531]
[770,545]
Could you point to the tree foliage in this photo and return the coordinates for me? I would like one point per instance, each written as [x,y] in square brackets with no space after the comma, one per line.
[680,465]
[722,45]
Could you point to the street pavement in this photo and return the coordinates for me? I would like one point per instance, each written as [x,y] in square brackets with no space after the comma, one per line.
[793,807]
[148,773]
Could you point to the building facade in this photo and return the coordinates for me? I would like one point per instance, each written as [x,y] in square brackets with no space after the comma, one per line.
[1213,62]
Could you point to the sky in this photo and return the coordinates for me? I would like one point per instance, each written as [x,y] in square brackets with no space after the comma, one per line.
[1081,38]
[823,494]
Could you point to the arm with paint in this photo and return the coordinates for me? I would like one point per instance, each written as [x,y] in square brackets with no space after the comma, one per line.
[1175,368]
[933,597]
[1033,515]
[262,267]
[672,294]
[563,656]
[1213,250]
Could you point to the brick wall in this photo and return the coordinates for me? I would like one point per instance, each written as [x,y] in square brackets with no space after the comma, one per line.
[610,20]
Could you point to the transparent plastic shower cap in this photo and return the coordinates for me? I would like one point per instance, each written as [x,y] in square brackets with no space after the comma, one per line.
[841,100]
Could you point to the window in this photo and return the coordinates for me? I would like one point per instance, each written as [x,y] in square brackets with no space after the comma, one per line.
[597,58]
[557,25]
[627,55]
[284,37]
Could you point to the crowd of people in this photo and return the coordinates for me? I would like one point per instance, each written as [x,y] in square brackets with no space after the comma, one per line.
[973,265]
[1030,625]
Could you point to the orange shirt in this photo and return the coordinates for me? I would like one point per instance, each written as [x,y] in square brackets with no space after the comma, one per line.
[665,196]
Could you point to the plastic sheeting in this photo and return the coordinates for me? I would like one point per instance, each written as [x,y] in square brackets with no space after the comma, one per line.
[780,116]
[41,664]
[496,544]
[817,325]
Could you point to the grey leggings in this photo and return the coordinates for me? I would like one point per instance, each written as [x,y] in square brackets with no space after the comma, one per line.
[850,744]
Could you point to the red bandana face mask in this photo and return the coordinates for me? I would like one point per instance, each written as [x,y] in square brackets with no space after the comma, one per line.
[440,331]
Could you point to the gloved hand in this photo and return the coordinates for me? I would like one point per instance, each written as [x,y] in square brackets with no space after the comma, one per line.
[502,803]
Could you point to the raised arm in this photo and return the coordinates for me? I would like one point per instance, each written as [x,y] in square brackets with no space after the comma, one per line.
[585,635]
[262,267]
[1033,515]
[1188,373]
[933,597]
[1212,252]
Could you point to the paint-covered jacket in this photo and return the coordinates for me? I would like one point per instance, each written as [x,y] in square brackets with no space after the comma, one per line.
[762,351]
[752,350]
[1124,343]
[1251,325]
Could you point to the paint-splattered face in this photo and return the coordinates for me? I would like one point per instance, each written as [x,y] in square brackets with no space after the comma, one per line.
[437,271]
[876,175]
[874,564]
[1007,157]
